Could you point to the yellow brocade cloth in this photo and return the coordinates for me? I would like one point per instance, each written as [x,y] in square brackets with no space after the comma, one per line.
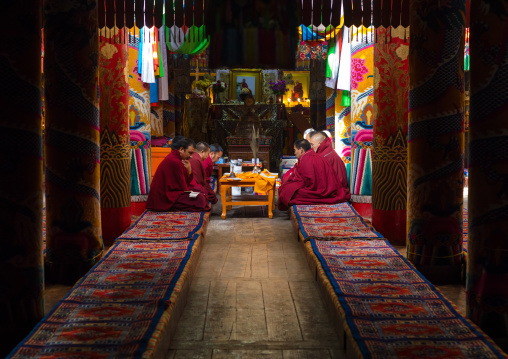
[265,180]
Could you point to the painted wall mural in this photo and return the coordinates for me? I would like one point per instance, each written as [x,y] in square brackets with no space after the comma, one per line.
[140,118]
[362,111]
[343,132]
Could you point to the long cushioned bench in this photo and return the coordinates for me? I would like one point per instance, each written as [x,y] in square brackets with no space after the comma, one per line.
[381,305]
[129,304]
[330,222]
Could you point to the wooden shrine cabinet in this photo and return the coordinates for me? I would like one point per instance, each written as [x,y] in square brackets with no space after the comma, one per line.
[239,148]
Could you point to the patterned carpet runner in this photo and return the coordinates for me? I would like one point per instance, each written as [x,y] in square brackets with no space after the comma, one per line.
[117,309]
[391,310]
[334,222]
[165,226]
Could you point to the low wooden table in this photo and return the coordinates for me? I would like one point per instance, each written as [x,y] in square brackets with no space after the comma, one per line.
[257,200]
[224,167]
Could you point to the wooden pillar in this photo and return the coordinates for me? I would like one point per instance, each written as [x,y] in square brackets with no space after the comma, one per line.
[115,141]
[74,242]
[389,155]
[21,263]
[436,139]
[487,266]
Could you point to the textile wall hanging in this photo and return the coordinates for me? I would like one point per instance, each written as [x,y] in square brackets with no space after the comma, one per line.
[140,162]
[436,140]
[362,111]
[115,145]
[487,273]
[22,269]
[331,95]
[238,40]
[355,13]
[343,132]
[139,92]
[156,120]
[389,155]
[139,122]
[73,234]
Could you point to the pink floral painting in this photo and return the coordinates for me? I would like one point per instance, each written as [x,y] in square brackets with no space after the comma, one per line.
[358,69]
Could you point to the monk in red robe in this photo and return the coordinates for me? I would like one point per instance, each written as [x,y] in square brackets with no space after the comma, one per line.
[173,181]
[313,182]
[198,171]
[215,154]
[322,144]
[300,147]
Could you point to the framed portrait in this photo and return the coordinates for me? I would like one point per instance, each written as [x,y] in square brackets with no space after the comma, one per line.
[299,89]
[248,80]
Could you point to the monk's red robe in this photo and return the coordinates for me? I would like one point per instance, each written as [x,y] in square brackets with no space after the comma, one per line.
[313,182]
[326,150]
[168,191]
[198,173]
[208,166]
[288,174]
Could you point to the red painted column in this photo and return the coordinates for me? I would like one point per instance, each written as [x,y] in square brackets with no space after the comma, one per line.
[389,155]
[115,140]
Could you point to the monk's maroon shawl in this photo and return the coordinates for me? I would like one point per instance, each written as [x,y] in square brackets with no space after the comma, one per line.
[169,186]
[198,173]
[208,166]
[326,150]
[313,182]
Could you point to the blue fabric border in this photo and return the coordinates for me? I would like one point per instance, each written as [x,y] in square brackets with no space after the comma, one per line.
[192,234]
[155,320]
[306,236]
[349,317]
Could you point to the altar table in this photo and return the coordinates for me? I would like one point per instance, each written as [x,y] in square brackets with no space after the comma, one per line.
[247,200]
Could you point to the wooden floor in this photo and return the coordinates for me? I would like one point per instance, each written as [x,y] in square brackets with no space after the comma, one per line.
[253,295]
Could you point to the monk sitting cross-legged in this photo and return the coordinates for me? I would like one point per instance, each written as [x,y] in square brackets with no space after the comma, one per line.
[173,181]
[198,171]
[300,147]
[215,154]
[313,181]
[322,144]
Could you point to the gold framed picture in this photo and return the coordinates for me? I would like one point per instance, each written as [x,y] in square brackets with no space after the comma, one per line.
[246,80]
[299,89]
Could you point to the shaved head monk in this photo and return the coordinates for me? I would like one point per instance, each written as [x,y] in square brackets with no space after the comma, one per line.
[173,181]
[198,171]
[306,134]
[300,147]
[322,145]
[215,154]
[313,181]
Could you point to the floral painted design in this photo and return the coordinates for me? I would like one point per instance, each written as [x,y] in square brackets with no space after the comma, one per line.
[358,69]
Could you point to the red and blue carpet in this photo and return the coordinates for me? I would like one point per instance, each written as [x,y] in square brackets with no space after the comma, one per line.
[391,310]
[116,310]
[162,226]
